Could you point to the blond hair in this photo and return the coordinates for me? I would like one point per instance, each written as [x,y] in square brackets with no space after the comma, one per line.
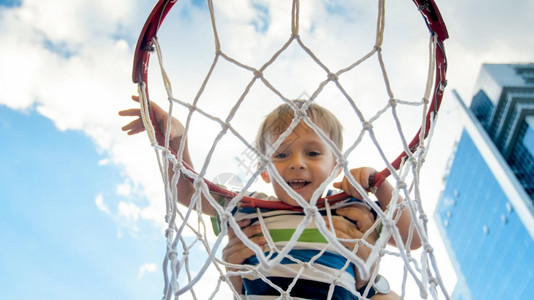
[277,121]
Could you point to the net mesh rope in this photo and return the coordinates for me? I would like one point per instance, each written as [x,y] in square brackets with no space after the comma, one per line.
[179,275]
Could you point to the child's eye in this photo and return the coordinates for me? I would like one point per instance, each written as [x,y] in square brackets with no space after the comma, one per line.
[280,155]
[314,153]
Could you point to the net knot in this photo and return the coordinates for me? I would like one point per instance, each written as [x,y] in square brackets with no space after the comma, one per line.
[428,248]
[392,102]
[341,161]
[225,126]
[388,223]
[310,210]
[382,252]
[263,160]
[168,232]
[401,184]
[225,217]
[192,107]
[424,218]
[367,126]
[378,48]
[442,86]
[332,76]
[300,114]
[258,74]
[198,182]
[168,154]
[424,6]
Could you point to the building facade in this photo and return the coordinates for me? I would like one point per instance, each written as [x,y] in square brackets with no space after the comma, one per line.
[485,213]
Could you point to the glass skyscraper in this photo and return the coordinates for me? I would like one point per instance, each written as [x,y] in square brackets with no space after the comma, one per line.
[485,214]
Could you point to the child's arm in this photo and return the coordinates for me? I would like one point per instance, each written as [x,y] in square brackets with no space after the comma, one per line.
[383,194]
[185,187]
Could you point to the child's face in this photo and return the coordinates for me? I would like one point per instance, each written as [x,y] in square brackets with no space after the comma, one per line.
[304,161]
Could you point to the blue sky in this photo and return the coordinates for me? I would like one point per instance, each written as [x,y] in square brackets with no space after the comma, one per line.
[10,3]
[56,243]
[81,209]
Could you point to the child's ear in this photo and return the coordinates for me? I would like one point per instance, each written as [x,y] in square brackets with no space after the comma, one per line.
[265,177]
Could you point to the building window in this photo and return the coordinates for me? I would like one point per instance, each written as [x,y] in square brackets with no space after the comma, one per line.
[521,160]
[528,136]
[482,107]
[526,72]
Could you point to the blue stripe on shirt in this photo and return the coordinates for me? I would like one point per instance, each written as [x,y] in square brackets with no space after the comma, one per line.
[328,259]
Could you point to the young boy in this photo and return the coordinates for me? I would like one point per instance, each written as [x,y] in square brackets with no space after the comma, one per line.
[303,161]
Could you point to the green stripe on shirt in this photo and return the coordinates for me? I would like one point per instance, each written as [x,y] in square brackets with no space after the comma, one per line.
[309,235]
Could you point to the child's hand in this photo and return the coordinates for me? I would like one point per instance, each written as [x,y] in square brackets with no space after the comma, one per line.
[137,126]
[236,251]
[356,221]
[360,216]
[361,175]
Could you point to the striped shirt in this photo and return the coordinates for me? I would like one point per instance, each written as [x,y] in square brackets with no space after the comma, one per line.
[312,269]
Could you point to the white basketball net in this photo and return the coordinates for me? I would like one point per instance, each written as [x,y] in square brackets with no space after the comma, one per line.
[193,252]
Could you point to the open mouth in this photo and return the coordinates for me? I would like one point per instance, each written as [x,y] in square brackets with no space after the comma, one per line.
[298,183]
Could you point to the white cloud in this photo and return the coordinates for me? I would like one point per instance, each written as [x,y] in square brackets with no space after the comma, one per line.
[128,210]
[124,189]
[146,268]
[126,215]
[99,201]
[103,162]
[72,62]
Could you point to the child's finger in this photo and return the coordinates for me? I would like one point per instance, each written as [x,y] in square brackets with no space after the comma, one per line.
[363,219]
[133,112]
[344,229]
[260,241]
[243,223]
[134,127]
[252,230]
[236,253]
[345,226]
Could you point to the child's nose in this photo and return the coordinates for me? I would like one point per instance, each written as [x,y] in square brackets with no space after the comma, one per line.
[297,162]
